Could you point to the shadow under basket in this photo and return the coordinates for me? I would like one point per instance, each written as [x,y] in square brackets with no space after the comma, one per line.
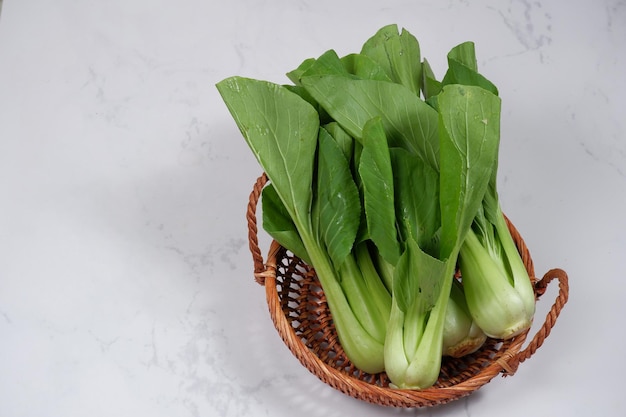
[300,314]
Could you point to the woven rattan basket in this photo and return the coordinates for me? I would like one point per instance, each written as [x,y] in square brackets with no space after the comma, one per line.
[299,311]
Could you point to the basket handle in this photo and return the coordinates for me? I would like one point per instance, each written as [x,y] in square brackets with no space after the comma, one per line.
[510,364]
[261,270]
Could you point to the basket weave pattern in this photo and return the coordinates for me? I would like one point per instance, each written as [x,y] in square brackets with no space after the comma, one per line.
[300,314]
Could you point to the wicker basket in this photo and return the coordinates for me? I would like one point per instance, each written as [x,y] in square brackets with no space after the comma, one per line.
[299,311]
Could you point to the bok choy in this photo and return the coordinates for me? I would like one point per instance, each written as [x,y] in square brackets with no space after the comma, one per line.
[498,289]
[383,179]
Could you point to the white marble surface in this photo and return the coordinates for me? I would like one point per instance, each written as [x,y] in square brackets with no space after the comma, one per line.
[126,284]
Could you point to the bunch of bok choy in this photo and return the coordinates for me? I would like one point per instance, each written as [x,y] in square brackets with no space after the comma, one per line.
[383,179]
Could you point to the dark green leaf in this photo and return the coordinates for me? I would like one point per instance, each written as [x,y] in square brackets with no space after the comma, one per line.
[328,63]
[364,67]
[408,121]
[338,209]
[398,54]
[491,202]
[418,279]
[343,139]
[463,69]
[302,92]
[378,193]
[416,199]
[278,223]
[464,54]
[295,75]
[469,128]
[281,129]
[430,86]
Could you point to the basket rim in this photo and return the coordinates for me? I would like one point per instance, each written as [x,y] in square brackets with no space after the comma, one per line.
[506,364]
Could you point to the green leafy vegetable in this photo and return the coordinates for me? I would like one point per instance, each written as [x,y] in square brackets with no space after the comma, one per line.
[364,67]
[430,86]
[468,149]
[282,130]
[397,54]
[417,200]
[461,334]
[470,135]
[383,179]
[337,207]
[463,68]
[499,292]
[278,223]
[376,176]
